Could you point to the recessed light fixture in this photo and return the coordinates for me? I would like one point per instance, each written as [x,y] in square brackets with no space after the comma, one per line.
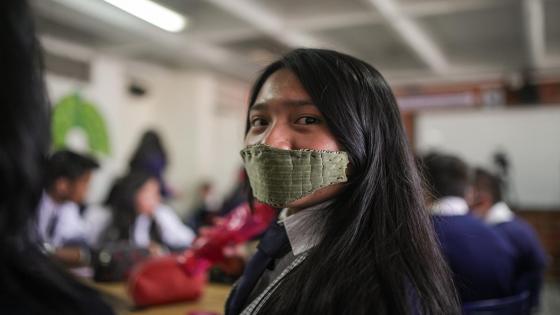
[152,13]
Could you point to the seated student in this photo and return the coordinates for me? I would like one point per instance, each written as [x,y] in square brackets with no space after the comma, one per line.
[137,214]
[324,140]
[481,260]
[59,224]
[531,260]
[30,283]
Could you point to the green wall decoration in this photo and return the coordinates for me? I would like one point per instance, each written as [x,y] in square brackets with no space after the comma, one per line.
[72,111]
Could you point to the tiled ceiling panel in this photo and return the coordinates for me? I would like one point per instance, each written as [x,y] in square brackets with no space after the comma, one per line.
[312,8]
[378,44]
[493,35]
[486,35]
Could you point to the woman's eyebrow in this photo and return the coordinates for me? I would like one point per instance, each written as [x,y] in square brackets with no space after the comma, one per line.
[259,107]
[298,103]
[291,103]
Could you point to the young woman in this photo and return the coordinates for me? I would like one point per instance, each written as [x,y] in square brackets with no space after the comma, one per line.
[325,141]
[30,282]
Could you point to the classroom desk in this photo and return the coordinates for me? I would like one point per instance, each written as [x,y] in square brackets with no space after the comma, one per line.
[213,300]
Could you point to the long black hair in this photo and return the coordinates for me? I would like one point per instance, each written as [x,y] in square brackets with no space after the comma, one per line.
[446,175]
[30,282]
[68,164]
[378,253]
[121,201]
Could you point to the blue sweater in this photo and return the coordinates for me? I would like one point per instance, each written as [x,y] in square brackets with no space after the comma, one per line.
[530,256]
[481,260]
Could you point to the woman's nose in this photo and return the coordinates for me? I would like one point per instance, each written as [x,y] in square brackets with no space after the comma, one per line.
[278,136]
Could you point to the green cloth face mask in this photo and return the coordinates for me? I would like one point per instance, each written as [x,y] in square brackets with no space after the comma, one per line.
[279,177]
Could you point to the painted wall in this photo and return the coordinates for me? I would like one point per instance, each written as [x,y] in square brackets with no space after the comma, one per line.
[199,119]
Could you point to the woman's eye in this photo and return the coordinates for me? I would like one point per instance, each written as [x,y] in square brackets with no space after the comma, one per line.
[258,122]
[307,120]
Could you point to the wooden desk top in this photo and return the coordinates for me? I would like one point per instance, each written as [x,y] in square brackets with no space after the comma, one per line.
[213,300]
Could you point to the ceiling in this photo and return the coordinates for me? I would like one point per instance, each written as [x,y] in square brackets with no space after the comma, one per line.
[410,41]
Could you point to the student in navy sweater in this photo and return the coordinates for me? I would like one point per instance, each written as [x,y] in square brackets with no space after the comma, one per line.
[530,263]
[481,260]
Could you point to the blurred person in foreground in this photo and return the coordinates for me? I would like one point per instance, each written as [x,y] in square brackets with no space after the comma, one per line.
[481,260]
[30,282]
[487,203]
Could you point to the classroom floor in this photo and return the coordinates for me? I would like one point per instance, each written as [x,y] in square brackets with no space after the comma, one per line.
[550,303]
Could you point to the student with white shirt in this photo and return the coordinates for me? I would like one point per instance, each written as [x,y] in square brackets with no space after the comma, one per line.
[137,214]
[324,140]
[531,259]
[60,225]
[481,260]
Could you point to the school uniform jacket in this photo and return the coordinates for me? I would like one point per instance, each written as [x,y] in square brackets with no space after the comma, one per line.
[481,260]
[530,257]
[302,231]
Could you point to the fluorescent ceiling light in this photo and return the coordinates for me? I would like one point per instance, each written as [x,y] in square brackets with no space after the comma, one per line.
[153,13]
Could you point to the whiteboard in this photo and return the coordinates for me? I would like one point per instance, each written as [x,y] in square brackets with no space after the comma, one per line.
[530,137]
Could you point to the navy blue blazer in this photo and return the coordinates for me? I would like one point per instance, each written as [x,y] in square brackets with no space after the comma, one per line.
[481,260]
[531,259]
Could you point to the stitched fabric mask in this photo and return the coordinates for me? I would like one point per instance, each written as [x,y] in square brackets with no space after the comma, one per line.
[278,177]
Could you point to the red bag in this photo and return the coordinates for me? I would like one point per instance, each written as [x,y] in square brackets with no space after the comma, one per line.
[162,280]
[182,278]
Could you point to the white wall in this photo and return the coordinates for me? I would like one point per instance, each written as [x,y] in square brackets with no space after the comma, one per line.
[529,136]
[202,141]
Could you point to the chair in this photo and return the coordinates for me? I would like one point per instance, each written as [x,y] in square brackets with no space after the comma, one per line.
[511,305]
